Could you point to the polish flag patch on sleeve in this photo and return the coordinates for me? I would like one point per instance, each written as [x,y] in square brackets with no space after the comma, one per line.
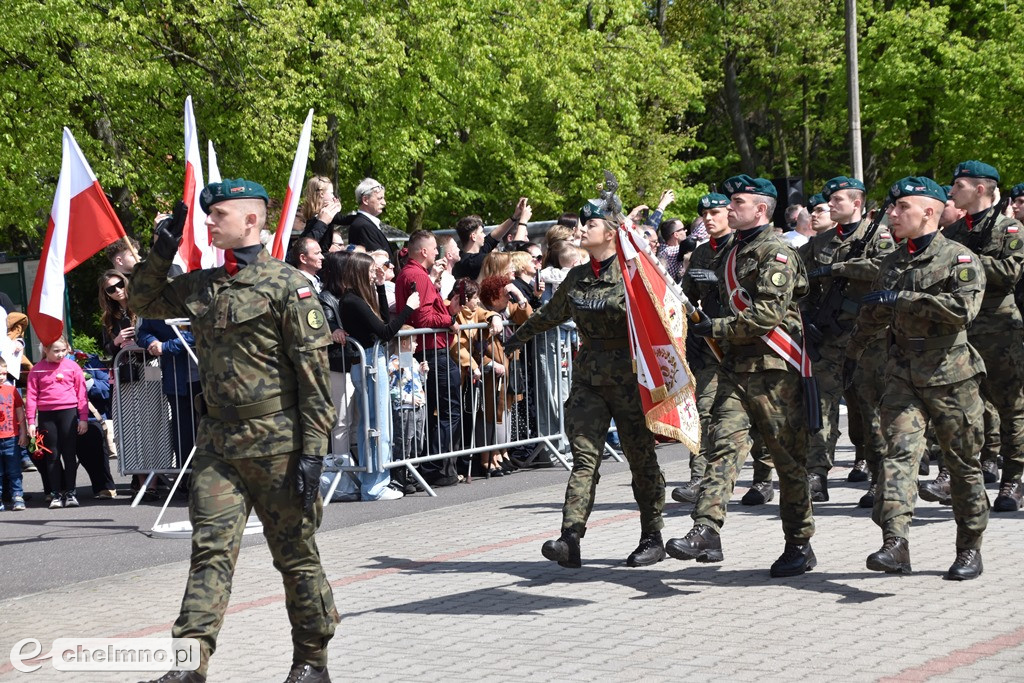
[884,236]
[963,258]
[782,258]
[1012,229]
[304,292]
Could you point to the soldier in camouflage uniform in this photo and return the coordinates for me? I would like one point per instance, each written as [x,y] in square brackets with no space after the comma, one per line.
[998,331]
[755,385]
[927,292]
[827,256]
[604,386]
[262,348]
[700,285]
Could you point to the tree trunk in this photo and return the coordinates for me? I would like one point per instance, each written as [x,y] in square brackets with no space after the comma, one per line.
[734,109]
[325,153]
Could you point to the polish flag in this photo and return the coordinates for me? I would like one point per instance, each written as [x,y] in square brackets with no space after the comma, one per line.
[291,198]
[214,177]
[194,252]
[82,222]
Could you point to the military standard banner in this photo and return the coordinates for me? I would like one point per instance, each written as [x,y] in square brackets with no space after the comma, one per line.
[657,334]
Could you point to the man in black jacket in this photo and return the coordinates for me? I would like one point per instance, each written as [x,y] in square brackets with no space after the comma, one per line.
[365,229]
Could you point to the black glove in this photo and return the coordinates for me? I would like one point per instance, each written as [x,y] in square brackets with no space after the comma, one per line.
[849,367]
[813,333]
[307,480]
[824,271]
[702,275]
[168,233]
[687,245]
[883,297]
[701,328]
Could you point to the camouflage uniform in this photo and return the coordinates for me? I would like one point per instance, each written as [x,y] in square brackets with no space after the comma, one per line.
[832,248]
[932,376]
[998,331]
[758,388]
[604,386]
[262,348]
[703,363]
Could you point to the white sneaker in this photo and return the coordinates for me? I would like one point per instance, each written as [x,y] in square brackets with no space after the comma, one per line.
[56,502]
[70,501]
[390,494]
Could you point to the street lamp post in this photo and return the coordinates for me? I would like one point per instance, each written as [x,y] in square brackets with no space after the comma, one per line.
[853,87]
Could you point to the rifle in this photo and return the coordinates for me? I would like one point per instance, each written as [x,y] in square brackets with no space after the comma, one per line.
[825,318]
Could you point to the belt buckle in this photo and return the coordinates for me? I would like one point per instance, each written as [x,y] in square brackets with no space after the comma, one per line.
[229,414]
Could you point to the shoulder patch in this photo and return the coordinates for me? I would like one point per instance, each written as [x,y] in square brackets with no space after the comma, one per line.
[304,292]
[1014,244]
[314,318]
[782,258]
[779,278]
[965,274]
[885,244]
[884,235]
[1011,229]
[964,258]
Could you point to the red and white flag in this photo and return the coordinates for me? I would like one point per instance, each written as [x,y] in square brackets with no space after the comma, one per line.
[656,315]
[291,198]
[82,222]
[195,251]
[214,177]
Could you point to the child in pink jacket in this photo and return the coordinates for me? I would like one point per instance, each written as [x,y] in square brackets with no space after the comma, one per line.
[57,412]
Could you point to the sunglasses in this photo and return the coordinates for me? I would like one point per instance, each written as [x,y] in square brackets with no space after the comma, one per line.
[114,287]
[538,258]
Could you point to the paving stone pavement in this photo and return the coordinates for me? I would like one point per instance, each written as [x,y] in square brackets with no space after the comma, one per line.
[463,594]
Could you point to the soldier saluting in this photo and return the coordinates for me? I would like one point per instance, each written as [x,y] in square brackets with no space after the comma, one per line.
[928,291]
[261,341]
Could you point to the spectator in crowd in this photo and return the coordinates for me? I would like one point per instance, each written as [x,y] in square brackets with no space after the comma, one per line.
[307,256]
[497,263]
[798,226]
[444,415]
[13,435]
[526,268]
[572,222]
[57,412]
[555,234]
[319,211]
[674,247]
[467,347]
[383,261]
[560,257]
[123,254]
[365,316]
[408,406]
[475,246]
[365,230]
[444,265]
[699,231]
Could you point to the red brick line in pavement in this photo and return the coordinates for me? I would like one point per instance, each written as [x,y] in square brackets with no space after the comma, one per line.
[954,660]
[358,578]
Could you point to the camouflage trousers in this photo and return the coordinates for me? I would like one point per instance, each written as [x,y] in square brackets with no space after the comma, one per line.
[772,402]
[588,413]
[1003,386]
[863,401]
[828,370]
[955,413]
[222,494]
[707,384]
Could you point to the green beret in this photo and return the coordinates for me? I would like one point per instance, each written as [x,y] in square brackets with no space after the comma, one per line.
[840,182]
[744,184]
[595,208]
[711,201]
[917,186]
[1017,191]
[975,169]
[947,189]
[226,190]
[815,200]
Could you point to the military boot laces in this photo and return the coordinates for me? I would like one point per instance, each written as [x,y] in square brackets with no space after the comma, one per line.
[796,558]
[859,471]
[687,493]
[966,566]
[937,490]
[650,551]
[1009,498]
[892,558]
[307,673]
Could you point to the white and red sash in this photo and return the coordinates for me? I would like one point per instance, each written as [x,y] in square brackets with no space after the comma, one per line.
[778,339]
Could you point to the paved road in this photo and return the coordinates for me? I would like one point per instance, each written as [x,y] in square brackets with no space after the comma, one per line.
[457,591]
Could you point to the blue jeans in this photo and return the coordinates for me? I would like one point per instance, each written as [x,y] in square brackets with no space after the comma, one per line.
[373,451]
[10,466]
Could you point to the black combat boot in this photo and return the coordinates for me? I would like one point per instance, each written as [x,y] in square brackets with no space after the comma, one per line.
[687,493]
[795,559]
[179,677]
[859,471]
[937,490]
[1009,498]
[990,471]
[650,551]
[966,566]
[307,673]
[892,558]
[565,550]
[701,543]
[868,499]
[760,493]
[818,485]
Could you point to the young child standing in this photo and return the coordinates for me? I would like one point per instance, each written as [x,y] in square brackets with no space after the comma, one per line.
[12,429]
[408,406]
[56,391]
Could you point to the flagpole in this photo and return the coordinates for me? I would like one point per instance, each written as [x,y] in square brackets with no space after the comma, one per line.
[691,310]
